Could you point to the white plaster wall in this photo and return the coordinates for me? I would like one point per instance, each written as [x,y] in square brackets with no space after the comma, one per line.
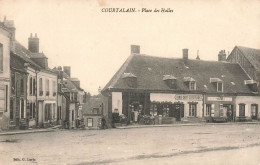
[52,78]
[5,40]
[247,100]
[117,101]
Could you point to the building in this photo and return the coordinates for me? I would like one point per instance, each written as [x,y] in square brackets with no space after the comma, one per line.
[70,97]
[177,89]
[5,41]
[92,112]
[249,60]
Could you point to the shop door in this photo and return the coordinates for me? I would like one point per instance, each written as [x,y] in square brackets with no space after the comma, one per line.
[230,112]
[178,111]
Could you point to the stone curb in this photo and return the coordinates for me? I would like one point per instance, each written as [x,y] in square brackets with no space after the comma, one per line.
[25,132]
[176,125]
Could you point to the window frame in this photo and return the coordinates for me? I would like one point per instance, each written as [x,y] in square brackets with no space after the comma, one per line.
[192,112]
[244,109]
[218,86]
[1,58]
[193,88]
[88,122]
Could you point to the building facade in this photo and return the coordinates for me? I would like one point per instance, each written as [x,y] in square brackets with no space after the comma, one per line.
[176,89]
[5,44]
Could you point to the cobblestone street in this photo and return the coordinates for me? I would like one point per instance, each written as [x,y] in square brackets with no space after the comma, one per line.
[214,144]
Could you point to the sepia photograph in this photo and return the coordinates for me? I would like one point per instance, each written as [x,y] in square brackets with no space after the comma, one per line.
[133,82]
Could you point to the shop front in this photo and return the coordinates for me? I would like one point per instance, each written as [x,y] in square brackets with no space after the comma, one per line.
[247,108]
[179,107]
[219,108]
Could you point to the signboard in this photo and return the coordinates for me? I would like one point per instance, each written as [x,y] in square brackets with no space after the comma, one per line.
[219,99]
[188,97]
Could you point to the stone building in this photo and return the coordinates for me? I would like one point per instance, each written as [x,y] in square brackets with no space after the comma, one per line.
[177,89]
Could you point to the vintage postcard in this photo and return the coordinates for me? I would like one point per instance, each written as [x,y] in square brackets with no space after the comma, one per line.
[129,82]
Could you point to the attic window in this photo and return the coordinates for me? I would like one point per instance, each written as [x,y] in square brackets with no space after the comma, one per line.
[130,79]
[170,80]
[190,82]
[251,84]
[217,83]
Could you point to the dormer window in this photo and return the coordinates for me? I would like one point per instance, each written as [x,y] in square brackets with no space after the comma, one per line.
[217,83]
[130,79]
[220,86]
[170,80]
[190,82]
[251,84]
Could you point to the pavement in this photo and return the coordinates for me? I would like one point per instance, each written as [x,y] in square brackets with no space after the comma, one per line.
[183,124]
[14,132]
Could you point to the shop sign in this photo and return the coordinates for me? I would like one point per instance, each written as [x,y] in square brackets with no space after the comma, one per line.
[219,98]
[188,97]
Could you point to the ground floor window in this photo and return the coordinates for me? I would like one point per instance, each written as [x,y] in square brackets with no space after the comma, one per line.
[72,115]
[47,112]
[153,110]
[208,110]
[11,109]
[242,110]
[166,109]
[90,122]
[254,111]
[22,108]
[192,109]
[32,107]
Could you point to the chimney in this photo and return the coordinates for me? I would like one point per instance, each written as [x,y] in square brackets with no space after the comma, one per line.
[135,49]
[33,43]
[185,54]
[11,27]
[66,69]
[222,55]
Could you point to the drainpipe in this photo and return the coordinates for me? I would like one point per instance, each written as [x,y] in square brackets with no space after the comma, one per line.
[37,109]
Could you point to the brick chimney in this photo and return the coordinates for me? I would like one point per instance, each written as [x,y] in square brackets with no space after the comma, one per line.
[33,43]
[66,69]
[135,49]
[222,56]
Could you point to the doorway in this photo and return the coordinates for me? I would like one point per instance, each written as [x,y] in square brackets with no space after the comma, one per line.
[177,111]
[228,108]
[254,111]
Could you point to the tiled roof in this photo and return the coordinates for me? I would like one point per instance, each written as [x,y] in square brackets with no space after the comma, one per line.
[150,72]
[24,53]
[253,55]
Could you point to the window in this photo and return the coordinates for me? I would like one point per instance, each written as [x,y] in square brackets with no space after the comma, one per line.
[13,83]
[153,110]
[54,88]
[72,115]
[22,108]
[241,110]
[34,86]
[254,111]
[22,86]
[40,87]
[193,109]
[221,110]
[47,87]
[95,110]
[90,122]
[192,85]
[47,112]
[219,86]
[11,109]
[31,85]
[4,98]
[208,110]
[1,58]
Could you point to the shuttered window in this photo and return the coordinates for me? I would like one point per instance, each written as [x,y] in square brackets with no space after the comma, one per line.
[1,58]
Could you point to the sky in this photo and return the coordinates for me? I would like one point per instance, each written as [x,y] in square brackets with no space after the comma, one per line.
[95,44]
